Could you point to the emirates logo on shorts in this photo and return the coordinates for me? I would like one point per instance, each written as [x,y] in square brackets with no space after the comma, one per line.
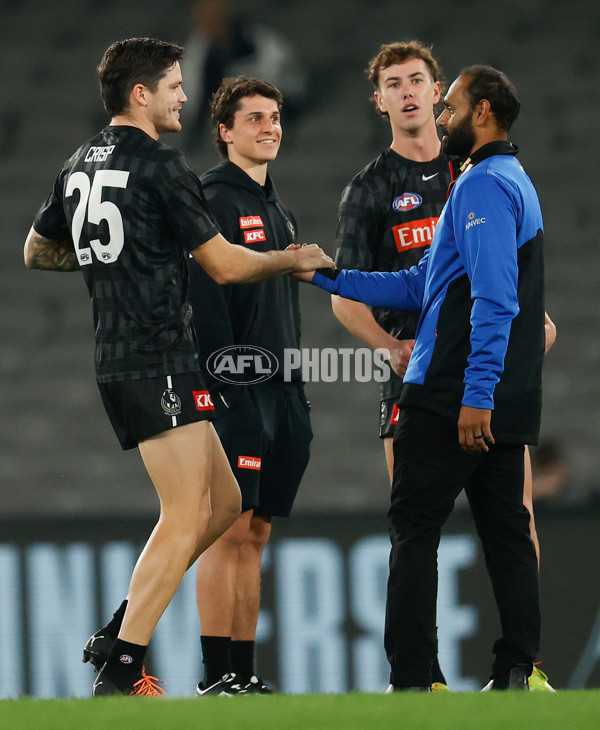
[170,402]
[249,462]
[395,415]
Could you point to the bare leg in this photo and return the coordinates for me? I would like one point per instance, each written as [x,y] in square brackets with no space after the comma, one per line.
[225,498]
[388,445]
[528,502]
[216,579]
[180,465]
[247,597]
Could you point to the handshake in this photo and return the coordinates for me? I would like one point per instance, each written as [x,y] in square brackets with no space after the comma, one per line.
[310,257]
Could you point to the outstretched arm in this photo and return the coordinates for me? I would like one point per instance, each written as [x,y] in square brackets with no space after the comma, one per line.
[49,254]
[392,290]
[228,263]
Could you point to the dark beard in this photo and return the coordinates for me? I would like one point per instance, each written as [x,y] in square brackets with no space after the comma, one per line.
[461,140]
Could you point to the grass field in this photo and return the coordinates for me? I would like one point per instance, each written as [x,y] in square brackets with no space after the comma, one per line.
[578,710]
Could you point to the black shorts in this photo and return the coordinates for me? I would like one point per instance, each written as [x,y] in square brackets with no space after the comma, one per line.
[266,433]
[388,416]
[142,408]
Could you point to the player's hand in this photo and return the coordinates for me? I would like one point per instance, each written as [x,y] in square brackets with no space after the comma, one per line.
[474,434]
[309,257]
[400,355]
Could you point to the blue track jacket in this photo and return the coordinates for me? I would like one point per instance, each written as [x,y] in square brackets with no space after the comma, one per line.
[480,338]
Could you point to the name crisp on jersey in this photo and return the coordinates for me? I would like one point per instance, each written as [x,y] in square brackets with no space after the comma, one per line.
[253,236]
[249,462]
[414,234]
[203,400]
[250,221]
[99,154]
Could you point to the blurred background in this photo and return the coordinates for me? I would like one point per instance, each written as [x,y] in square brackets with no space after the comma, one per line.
[60,462]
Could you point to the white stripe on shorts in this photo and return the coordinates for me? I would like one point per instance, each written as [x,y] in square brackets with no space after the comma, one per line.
[170,386]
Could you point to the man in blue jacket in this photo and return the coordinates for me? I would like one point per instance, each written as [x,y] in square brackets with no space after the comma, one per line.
[472,390]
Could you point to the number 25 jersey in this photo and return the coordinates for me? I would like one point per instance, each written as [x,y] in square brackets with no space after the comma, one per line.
[132,207]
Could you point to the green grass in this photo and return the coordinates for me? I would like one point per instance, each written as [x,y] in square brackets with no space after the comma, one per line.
[507,710]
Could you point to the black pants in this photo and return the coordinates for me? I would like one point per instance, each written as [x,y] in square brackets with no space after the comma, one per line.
[430,471]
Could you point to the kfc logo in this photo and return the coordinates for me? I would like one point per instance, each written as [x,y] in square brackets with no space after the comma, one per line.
[414,234]
[203,400]
[249,462]
[250,221]
[254,236]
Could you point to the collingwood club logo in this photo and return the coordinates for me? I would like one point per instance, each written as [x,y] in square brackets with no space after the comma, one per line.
[170,402]
[242,364]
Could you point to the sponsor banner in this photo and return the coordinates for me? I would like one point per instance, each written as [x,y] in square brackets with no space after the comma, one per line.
[320,628]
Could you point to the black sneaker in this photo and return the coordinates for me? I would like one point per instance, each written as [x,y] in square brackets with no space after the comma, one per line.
[97,649]
[227,686]
[516,678]
[144,685]
[256,686]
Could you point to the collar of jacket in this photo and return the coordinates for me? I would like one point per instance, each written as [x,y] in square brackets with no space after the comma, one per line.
[231,174]
[499,147]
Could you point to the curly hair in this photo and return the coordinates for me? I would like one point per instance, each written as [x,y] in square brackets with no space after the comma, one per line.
[225,102]
[400,52]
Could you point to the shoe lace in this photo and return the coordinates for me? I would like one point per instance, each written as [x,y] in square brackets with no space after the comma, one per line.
[146,686]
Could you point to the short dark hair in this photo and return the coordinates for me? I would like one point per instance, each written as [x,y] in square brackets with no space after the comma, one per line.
[225,102]
[488,83]
[400,52]
[133,61]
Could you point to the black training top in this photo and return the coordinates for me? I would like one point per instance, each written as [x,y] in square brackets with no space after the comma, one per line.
[263,314]
[132,205]
[386,219]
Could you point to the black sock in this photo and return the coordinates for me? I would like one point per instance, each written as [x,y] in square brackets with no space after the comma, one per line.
[242,659]
[216,658]
[124,663]
[113,627]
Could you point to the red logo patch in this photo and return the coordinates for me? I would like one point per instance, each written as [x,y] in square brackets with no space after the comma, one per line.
[395,415]
[253,236]
[203,400]
[249,462]
[414,234]
[250,221]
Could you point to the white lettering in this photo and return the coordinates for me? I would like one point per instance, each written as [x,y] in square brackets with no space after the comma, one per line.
[291,361]
[311,601]
[456,622]
[99,154]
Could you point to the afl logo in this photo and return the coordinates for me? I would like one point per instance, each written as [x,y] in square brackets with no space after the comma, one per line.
[407,201]
[242,364]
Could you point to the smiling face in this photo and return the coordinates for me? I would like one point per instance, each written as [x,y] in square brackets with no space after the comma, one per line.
[407,94]
[255,135]
[457,120]
[165,102]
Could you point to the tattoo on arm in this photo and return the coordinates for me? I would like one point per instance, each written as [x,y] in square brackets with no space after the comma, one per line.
[50,255]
